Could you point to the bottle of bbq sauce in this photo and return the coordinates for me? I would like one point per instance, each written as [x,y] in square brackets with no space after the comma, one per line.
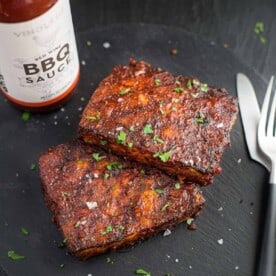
[39,66]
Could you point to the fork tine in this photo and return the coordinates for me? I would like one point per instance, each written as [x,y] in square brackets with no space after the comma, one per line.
[271,119]
[264,112]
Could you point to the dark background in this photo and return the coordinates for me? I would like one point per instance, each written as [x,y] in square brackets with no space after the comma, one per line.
[229,25]
[223,22]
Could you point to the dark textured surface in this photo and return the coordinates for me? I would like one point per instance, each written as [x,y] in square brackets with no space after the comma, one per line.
[233,206]
[239,190]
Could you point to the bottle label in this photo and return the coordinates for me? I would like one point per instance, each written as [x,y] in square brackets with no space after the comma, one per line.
[38,58]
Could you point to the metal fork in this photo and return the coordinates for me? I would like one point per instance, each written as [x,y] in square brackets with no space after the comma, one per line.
[267,143]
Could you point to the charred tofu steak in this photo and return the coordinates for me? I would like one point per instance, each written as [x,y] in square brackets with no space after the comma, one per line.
[101,202]
[174,123]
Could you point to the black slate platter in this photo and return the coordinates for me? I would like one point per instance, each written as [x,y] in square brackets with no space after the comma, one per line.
[226,239]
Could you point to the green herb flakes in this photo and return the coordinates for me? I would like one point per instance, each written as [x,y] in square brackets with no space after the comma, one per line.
[157,140]
[201,119]
[106,176]
[141,271]
[108,229]
[94,118]
[114,166]
[77,224]
[131,128]
[121,138]
[157,81]
[125,91]
[24,231]
[142,171]
[196,82]
[32,167]
[174,108]
[178,90]
[163,156]
[147,129]
[259,30]
[203,87]
[159,191]
[189,221]
[259,27]
[130,144]
[194,95]
[25,116]
[175,100]
[96,156]
[103,142]
[62,243]
[109,261]
[177,82]
[65,194]
[121,227]
[189,84]
[177,186]
[14,256]
[165,206]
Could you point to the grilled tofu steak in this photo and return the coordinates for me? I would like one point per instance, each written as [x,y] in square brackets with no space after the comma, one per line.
[101,202]
[173,123]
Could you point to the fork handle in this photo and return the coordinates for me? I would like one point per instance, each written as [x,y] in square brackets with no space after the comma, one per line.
[267,254]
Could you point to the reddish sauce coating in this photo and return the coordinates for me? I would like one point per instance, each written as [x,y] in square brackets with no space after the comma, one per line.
[99,207]
[176,124]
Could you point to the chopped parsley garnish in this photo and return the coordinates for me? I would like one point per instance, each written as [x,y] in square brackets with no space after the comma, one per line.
[130,144]
[259,30]
[157,81]
[203,87]
[175,100]
[106,176]
[121,138]
[94,118]
[201,119]
[63,243]
[161,102]
[196,82]
[108,229]
[65,194]
[189,221]
[109,261]
[32,167]
[163,156]
[165,206]
[159,191]
[143,171]
[121,227]
[114,166]
[177,82]
[125,91]
[103,142]
[96,156]
[194,95]
[177,185]
[178,90]
[174,108]
[156,140]
[141,271]
[147,129]
[24,231]
[189,84]
[77,224]
[131,128]
[259,27]
[25,116]
[14,256]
